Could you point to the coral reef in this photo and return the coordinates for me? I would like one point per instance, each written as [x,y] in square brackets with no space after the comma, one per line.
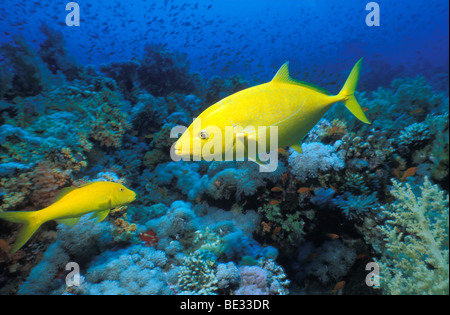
[416,256]
[357,194]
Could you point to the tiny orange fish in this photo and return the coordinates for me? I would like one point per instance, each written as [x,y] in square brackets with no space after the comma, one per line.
[335,189]
[276,230]
[396,173]
[284,178]
[365,109]
[266,226]
[311,256]
[333,130]
[4,246]
[338,287]
[333,236]
[282,151]
[274,202]
[276,189]
[361,256]
[303,190]
[417,111]
[409,172]
[184,172]
[59,274]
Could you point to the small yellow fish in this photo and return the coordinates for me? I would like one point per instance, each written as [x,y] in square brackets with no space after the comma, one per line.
[293,106]
[70,204]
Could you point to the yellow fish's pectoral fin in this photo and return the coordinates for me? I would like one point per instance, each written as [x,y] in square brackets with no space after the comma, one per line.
[250,139]
[70,222]
[104,203]
[297,147]
[100,215]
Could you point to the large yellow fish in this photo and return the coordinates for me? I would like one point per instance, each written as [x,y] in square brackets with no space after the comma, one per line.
[70,204]
[293,106]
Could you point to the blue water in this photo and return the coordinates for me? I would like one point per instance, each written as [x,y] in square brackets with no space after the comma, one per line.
[251,37]
[97,101]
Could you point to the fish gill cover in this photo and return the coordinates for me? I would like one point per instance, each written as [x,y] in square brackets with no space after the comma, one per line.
[100,91]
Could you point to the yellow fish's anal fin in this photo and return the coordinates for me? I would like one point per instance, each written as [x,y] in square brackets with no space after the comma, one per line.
[70,222]
[297,147]
[100,215]
[283,76]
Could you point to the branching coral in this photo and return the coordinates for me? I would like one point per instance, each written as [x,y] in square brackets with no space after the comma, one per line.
[416,259]
[197,275]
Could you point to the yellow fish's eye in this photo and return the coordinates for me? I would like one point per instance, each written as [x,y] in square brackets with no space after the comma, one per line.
[204,134]
[121,189]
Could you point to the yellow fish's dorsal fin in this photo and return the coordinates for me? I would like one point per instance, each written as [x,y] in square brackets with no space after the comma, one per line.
[67,190]
[297,147]
[282,76]
[71,222]
[63,192]
[100,215]
[87,184]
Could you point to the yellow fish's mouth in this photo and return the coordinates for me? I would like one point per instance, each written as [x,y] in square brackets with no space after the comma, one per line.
[132,197]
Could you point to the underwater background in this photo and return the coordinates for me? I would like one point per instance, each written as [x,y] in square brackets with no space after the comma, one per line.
[97,102]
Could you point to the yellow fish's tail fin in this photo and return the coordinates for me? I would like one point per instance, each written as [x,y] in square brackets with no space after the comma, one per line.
[347,94]
[30,222]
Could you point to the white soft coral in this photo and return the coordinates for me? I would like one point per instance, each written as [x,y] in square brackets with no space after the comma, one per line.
[316,157]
